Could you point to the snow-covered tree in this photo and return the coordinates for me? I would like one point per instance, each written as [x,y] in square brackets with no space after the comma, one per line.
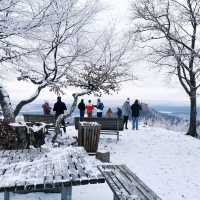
[58,47]
[169,30]
[100,72]
[18,20]
[60,50]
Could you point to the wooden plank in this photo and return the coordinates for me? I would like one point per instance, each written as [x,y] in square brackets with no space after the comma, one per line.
[48,178]
[129,186]
[114,187]
[73,171]
[6,195]
[141,186]
[125,184]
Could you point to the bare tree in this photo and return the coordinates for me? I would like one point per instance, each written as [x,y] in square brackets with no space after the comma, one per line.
[18,19]
[101,71]
[39,39]
[169,29]
[60,47]
[62,51]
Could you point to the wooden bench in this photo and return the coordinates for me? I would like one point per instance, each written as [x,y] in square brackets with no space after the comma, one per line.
[47,170]
[125,184]
[110,126]
[49,120]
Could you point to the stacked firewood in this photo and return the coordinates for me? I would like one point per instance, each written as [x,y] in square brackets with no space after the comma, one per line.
[8,137]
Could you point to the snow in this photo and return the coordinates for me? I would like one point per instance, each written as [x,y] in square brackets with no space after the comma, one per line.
[167,161]
[34,128]
[85,123]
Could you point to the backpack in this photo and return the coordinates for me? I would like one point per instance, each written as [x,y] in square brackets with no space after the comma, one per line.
[119,112]
[101,106]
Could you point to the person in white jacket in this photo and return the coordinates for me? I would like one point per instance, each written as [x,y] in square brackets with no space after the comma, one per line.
[126,112]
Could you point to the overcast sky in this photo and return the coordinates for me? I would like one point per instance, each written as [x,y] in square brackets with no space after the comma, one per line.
[151,86]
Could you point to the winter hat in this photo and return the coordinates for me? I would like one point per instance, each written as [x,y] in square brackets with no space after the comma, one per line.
[128,100]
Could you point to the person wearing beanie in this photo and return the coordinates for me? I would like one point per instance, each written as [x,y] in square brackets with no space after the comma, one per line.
[59,108]
[81,107]
[136,108]
[99,107]
[89,108]
[126,112]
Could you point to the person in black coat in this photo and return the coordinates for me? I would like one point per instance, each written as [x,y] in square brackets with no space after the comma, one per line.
[81,107]
[135,108]
[59,108]
[119,112]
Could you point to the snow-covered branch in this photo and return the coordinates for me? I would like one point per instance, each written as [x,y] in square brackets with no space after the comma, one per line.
[22,103]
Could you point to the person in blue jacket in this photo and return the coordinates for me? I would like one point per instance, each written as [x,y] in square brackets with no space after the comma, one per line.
[99,107]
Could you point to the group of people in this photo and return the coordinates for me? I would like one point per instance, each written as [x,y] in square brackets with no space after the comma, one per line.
[128,111]
[89,109]
[132,111]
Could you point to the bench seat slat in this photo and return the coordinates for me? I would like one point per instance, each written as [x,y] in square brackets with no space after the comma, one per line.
[139,183]
[118,189]
[125,184]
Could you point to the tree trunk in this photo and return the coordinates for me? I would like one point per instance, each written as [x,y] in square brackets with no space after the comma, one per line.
[64,116]
[192,131]
[6,106]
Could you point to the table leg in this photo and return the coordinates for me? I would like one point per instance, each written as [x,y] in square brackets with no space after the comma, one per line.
[66,193]
[6,195]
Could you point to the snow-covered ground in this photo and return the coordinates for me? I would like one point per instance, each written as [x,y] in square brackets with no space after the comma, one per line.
[168,162]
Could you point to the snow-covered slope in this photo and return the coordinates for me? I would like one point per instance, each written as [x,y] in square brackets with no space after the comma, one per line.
[154,118]
[168,162]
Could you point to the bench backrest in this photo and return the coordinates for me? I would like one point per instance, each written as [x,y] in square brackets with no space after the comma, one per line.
[39,118]
[106,122]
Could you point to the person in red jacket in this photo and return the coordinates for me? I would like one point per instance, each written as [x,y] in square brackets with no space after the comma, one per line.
[89,108]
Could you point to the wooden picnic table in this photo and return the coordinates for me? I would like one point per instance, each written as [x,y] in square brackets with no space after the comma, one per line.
[43,170]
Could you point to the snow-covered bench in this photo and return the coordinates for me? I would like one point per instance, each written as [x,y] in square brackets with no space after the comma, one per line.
[49,120]
[110,126]
[47,170]
[125,184]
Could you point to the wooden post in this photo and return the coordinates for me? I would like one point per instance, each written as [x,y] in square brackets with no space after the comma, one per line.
[115,197]
[66,193]
[117,129]
[6,195]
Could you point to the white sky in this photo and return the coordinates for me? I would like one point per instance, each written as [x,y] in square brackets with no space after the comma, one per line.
[152,87]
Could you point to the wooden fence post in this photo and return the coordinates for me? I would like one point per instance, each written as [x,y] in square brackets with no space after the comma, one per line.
[115,197]
[66,193]
[6,195]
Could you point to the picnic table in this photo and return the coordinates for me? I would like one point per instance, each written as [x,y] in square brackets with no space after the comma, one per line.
[44,170]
